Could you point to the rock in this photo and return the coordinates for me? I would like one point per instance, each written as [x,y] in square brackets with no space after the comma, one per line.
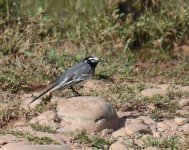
[20,124]
[182,89]
[151,107]
[117,146]
[164,86]
[19,146]
[147,120]
[45,119]
[181,121]
[162,90]
[167,125]
[105,132]
[183,102]
[4,139]
[182,112]
[186,128]
[139,142]
[153,127]
[120,139]
[65,130]
[137,120]
[152,148]
[171,124]
[133,128]
[119,133]
[156,134]
[161,126]
[54,136]
[169,133]
[86,113]
[180,129]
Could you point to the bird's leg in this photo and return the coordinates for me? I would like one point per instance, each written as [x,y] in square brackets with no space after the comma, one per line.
[74,91]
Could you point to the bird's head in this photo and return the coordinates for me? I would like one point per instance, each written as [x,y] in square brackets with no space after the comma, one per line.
[93,61]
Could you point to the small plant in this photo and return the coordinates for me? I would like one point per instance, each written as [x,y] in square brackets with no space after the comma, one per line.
[93,141]
[9,112]
[170,142]
[153,99]
[44,128]
[30,138]
[156,114]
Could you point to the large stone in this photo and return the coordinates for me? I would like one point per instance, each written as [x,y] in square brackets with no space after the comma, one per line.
[161,90]
[106,132]
[182,112]
[19,146]
[171,124]
[181,121]
[162,126]
[183,102]
[119,133]
[186,128]
[182,89]
[45,119]
[152,148]
[20,123]
[147,120]
[133,128]
[156,134]
[117,146]
[54,136]
[133,121]
[86,113]
[4,139]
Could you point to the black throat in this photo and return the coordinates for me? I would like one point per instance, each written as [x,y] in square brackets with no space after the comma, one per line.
[92,65]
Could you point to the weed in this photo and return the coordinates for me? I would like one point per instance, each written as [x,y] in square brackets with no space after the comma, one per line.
[31,138]
[164,105]
[156,114]
[93,141]
[44,128]
[185,144]
[9,112]
[170,142]
[153,99]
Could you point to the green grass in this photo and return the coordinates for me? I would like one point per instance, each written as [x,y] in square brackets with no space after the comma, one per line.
[170,142]
[30,138]
[165,106]
[43,128]
[9,111]
[35,45]
[92,141]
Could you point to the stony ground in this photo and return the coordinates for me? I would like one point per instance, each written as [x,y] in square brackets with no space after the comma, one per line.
[157,118]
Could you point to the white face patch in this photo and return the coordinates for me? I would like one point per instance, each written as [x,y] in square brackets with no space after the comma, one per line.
[94,59]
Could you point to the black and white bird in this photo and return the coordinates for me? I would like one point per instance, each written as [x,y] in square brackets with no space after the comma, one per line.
[77,74]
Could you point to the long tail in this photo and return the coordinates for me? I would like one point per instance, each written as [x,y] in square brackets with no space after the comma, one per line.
[50,89]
